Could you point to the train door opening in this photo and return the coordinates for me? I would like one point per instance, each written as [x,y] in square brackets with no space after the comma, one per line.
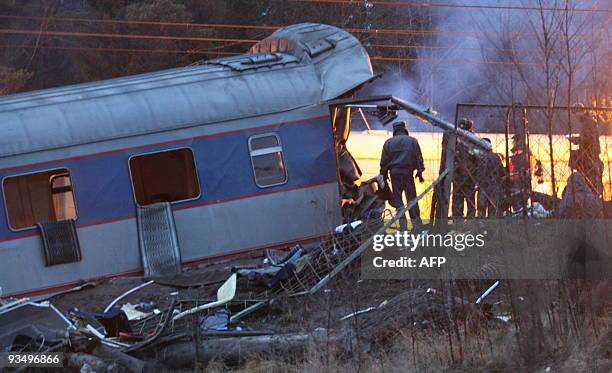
[360,197]
[159,180]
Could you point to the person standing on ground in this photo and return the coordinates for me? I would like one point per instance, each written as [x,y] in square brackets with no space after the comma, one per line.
[586,158]
[464,176]
[491,179]
[401,157]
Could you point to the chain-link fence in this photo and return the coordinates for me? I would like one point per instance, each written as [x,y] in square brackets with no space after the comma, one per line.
[544,161]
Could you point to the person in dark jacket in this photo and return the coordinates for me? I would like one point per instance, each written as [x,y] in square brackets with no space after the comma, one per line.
[579,200]
[586,158]
[401,157]
[464,176]
[491,177]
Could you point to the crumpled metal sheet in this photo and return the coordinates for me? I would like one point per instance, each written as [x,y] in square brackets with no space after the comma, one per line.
[30,320]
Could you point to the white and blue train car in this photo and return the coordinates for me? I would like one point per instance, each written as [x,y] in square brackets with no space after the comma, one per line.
[243,148]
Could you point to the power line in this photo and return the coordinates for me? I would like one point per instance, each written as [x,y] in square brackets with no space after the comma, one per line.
[390,46]
[197,38]
[122,36]
[483,62]
[429,32]
[144,23]
[235,41]
[442,47]
[189,51]
[253,27]
[120,50]
[238,41]
[456,6]
[408,59]
[230,40]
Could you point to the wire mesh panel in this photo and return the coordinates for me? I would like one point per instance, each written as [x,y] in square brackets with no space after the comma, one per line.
[537,152]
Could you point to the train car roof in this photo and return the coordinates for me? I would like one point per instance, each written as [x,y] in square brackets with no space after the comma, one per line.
[296,66]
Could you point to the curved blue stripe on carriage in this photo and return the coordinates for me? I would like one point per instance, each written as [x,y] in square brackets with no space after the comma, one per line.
[103,190]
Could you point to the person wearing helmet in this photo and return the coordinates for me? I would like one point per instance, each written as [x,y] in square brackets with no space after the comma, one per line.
[401,157]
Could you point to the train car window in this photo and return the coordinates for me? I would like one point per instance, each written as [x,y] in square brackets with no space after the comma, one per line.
[39,198]
[166,176]
[267,160]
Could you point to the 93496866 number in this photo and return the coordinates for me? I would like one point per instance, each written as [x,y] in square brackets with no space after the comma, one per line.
[31,359]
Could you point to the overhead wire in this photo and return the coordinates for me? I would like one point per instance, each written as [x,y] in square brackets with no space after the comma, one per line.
[123,36]
[122,50]
[198,38]
[456,6]
[210,52]
[235,41]
[254,27]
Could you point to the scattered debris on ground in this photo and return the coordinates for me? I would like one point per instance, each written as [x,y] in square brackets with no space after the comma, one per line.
[268,304]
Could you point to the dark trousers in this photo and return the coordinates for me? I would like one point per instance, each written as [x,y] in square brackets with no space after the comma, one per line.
[488,204]
[404,184]
[464,191]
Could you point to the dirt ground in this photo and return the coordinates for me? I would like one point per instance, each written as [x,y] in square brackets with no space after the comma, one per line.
[416,326]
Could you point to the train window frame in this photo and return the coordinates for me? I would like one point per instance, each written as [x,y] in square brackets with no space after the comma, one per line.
[195,169]
[73,190]
[264,151]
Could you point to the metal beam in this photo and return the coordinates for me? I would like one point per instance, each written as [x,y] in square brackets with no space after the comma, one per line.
[427,115]
[249,309]
[359,100]
[365,120]
[418,111]
[536,107]
[449,162]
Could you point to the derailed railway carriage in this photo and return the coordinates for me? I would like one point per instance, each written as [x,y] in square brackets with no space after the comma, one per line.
[239,153]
